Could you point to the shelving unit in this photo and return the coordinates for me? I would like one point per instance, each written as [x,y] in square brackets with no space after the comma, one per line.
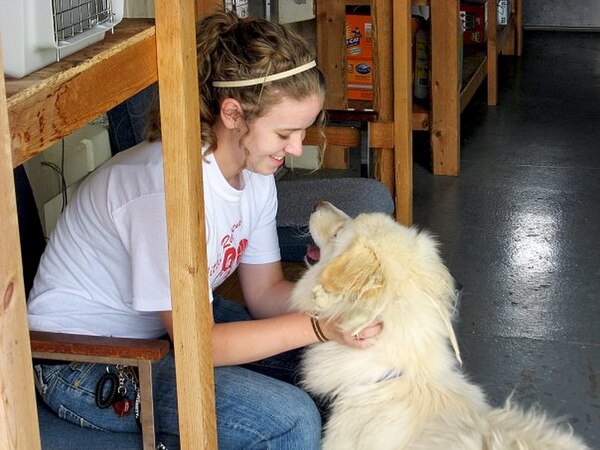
[44,107]
[452,86]
[390,126]
[447,102]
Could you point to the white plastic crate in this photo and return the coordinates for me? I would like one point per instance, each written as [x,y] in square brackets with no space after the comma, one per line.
[36,33]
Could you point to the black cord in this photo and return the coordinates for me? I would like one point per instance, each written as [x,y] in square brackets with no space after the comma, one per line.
[60,172]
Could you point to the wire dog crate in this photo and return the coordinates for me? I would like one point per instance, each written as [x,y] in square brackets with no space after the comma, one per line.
[36,33]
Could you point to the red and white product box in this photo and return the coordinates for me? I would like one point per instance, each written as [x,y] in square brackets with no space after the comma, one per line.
[474,20]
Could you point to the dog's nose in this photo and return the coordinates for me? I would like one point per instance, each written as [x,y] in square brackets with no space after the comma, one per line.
[317,204]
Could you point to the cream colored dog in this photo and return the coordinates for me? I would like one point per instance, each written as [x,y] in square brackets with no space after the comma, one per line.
[406,391]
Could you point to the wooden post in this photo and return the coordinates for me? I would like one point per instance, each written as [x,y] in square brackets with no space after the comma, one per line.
[492,57]
[383,85]
[403,148]
[180,118]
[445,89]
[204,7]
[331,56]
[18,413]
[393,100]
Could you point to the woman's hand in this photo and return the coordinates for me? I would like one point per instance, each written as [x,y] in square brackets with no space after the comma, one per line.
[364,339]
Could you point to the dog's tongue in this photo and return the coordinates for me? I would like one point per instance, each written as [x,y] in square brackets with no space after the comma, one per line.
[313,253]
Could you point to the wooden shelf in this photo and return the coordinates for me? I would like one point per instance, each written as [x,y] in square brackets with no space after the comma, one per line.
[474,72]
[53,102]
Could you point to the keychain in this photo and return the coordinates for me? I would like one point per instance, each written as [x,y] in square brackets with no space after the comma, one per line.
[116,396]
[121,404]
[111,379]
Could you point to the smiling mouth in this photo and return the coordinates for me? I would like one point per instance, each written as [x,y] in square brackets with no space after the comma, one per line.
[313,254]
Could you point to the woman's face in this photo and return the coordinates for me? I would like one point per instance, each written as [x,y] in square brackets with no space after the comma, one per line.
[279,132]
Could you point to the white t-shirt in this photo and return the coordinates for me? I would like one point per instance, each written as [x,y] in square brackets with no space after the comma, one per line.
[105,269]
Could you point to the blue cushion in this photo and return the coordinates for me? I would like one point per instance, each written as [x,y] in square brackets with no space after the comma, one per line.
[297,198]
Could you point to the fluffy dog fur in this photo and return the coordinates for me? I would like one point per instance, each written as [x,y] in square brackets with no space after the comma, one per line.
[406,391]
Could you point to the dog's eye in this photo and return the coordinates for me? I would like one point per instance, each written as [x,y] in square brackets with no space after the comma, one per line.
[336,230]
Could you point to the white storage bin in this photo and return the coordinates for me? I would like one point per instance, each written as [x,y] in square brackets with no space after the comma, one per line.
[36,33]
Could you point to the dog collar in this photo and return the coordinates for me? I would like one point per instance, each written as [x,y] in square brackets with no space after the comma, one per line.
[390,376]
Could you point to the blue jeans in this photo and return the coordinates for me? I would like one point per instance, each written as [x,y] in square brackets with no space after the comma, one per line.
[257,405]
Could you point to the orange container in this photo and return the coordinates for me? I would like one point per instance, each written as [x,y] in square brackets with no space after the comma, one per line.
[359,79]
[359,36]
[359,57]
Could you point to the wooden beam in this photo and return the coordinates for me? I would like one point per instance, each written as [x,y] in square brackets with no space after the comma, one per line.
[331,57]
[403,111]
[383,89]
[381,135]
[331,44]
[57,100]
[18,413]
[334,135]
[445,103]
[205,7]
[192,321]
[473,84]
[106,347]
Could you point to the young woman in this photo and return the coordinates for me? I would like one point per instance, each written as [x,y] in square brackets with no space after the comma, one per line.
[105,270]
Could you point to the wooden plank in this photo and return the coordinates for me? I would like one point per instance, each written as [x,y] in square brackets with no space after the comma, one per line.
[73,344]
[147,412]
[518,10]
[331,57]
[403,112]
[336,157]
[474,81]
[334,135]
[204,7]
[331,42]
[192,321]
[492,60]
[445,99]
[18,413]
[420,120]
[350,114]
[54,102]
[383,89]
[381,135]
[505,38]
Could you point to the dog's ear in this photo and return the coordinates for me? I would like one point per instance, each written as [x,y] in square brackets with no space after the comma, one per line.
[356,273]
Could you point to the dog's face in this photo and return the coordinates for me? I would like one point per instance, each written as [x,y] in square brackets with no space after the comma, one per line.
[369,266]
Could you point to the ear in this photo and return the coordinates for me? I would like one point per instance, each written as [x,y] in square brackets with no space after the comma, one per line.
[231,113]
[357,273]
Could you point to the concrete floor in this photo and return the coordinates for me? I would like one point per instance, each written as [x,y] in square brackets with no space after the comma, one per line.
[520,227]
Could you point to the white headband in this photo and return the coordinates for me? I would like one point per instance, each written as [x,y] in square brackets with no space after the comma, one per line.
[266,79]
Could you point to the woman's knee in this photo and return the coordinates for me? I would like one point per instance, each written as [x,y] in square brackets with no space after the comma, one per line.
[306,426]
[255,411]
[295,422]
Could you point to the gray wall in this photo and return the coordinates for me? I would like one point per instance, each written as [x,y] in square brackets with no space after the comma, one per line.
[583,14]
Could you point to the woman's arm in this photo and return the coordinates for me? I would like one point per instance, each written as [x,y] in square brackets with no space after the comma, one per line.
[266,292]
[242,342]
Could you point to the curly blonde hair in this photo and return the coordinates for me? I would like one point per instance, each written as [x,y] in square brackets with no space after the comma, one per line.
[230,48]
